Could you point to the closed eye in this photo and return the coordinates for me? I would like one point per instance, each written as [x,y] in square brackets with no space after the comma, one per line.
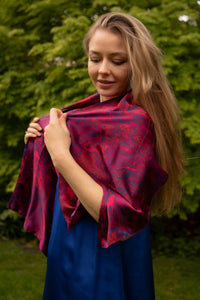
[94,60]
[119,62]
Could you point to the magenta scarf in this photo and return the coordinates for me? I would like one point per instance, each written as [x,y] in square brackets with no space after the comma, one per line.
[114,142]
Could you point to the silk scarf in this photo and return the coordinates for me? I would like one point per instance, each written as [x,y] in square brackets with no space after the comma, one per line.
[114,142]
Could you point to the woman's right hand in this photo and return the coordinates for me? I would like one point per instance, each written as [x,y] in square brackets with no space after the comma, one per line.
[33,130]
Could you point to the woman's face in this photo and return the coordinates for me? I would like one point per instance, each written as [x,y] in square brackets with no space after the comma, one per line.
[108,64]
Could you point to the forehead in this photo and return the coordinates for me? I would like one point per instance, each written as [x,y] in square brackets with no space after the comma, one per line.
[104,40]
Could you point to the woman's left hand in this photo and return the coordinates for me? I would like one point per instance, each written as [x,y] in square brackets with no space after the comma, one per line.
[56,135]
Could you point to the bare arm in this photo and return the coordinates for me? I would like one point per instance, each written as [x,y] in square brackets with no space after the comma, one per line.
[58,141]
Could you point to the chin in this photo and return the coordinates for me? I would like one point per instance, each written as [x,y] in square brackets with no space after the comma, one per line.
[110,96]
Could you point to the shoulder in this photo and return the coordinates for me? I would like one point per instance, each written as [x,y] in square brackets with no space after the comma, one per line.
[134,113]
[140,118]
[141,126]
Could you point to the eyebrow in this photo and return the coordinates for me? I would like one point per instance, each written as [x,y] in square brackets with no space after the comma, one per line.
[112,54]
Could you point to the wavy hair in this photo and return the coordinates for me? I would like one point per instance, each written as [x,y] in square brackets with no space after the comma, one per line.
[151,91]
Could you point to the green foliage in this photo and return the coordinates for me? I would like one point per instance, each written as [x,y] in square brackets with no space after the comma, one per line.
[11,224]
[42,64]
[173,236]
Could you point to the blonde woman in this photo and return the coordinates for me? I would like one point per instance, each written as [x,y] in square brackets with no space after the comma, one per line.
[92,172]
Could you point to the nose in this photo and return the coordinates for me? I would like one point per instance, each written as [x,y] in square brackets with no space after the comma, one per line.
[104,67]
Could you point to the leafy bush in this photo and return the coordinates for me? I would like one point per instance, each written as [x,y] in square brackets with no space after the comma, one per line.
[176,236]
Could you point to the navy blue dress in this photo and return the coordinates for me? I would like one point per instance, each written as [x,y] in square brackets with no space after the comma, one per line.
[78,268]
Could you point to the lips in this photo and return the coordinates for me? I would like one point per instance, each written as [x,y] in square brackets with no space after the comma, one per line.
[104,83]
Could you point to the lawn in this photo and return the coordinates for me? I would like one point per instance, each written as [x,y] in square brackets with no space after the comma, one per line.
[22,274]
[177,278]
[22,271]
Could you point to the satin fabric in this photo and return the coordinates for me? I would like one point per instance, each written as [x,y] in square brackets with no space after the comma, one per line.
[114,142]
[78,268]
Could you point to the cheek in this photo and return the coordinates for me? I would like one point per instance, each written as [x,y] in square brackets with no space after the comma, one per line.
[125,78]
[128,76]
[91,71]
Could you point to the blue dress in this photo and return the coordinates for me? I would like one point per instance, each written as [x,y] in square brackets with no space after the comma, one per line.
[78,268]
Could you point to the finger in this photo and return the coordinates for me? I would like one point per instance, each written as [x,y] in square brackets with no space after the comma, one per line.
[63,119]
[35,126]
[34,131]
[28,136]
[65,116]
[55,114]
[36,119]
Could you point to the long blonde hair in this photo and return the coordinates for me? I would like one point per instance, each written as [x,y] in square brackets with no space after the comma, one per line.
[152,92]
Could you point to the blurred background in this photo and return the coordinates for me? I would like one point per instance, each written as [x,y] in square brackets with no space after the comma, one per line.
[42,64]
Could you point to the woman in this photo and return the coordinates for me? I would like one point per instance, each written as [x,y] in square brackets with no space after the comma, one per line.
[111,153]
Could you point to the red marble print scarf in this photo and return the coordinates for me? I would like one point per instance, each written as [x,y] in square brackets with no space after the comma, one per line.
[114,141]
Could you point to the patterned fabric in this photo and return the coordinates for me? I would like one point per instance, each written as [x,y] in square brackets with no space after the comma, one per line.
[114,142]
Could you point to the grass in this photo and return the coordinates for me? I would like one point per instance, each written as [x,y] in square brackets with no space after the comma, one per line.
[177,278]
[22,274]
[22,271]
